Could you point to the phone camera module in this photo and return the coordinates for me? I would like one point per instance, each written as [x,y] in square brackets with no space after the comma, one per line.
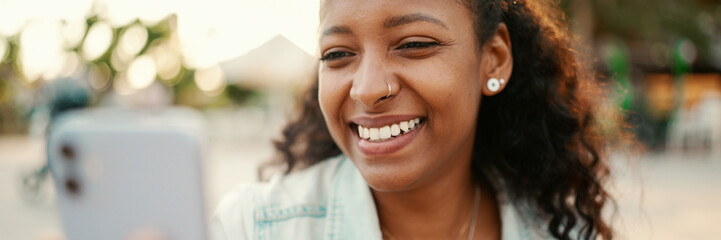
[68,152]
[72,186]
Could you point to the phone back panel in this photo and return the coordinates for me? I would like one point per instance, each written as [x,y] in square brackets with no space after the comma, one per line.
[120,171]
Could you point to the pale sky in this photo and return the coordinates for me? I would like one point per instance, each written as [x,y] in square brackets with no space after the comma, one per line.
[209,31]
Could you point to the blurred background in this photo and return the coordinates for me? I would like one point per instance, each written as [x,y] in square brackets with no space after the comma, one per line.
[242,64]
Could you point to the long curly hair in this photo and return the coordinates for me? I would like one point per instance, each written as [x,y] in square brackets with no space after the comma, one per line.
[539,136]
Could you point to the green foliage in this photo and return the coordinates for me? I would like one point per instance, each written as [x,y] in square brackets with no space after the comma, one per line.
[655,21]
[241,95]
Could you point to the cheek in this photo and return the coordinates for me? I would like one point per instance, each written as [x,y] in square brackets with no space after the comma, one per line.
[329,94]
[452,92]
[448,85]
[331,98]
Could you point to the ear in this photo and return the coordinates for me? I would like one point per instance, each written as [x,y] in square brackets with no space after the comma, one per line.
[496,60]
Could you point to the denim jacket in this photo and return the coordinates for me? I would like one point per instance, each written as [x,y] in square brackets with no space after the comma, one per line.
[329,200]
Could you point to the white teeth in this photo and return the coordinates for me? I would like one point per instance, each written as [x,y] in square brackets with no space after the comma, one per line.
[395,130]
[374,134]
[404,127]
[385,132]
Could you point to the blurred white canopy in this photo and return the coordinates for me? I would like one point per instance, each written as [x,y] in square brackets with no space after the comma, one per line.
[277,64]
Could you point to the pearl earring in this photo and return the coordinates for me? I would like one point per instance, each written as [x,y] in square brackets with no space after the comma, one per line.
[493,84]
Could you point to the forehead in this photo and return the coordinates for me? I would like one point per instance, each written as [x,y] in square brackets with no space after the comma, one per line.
[347,12]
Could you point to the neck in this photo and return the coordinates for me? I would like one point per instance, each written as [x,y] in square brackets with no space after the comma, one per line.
[438,208]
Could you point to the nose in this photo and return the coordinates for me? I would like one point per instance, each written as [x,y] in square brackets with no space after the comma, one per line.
[370,82]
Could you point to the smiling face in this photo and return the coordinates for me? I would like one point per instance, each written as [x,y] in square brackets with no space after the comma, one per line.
[428,54]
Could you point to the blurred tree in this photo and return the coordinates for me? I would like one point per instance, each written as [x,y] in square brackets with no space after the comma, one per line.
[16,107]
[648,22]
[631,38]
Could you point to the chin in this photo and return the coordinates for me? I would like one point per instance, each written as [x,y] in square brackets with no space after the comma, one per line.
[389,177]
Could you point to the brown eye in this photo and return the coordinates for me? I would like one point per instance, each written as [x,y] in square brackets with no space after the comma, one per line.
[417,49]
[335,55]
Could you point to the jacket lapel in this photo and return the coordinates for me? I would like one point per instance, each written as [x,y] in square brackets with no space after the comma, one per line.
[351,209]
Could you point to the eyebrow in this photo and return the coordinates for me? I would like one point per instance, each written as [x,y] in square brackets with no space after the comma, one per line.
[336,30]
[391,22]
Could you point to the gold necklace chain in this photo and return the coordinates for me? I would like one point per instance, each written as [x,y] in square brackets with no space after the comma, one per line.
[387,236]
[475,214]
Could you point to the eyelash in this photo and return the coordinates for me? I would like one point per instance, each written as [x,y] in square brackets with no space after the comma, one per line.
[335,55]
[419,45]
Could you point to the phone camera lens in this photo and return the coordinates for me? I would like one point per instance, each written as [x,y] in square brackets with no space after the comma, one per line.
[68,152]
[72,186]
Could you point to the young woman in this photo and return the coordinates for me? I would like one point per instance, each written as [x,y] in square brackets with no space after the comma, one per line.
[435,119]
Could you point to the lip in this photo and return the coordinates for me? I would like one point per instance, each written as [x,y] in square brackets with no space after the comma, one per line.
[389,146]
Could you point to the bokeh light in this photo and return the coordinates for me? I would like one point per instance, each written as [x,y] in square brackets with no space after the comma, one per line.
[687,51]
[132,41]
[98,40]
[210,80]
[123,12]
[73,31]
[74,65]
[166,57]
[99,77]
[141,72]
[121,86]
[42,54]
[13,15]
[119,62]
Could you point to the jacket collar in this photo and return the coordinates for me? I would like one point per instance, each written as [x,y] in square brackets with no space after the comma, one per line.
[352,212]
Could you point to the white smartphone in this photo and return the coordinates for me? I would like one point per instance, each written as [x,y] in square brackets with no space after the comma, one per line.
[119,171]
